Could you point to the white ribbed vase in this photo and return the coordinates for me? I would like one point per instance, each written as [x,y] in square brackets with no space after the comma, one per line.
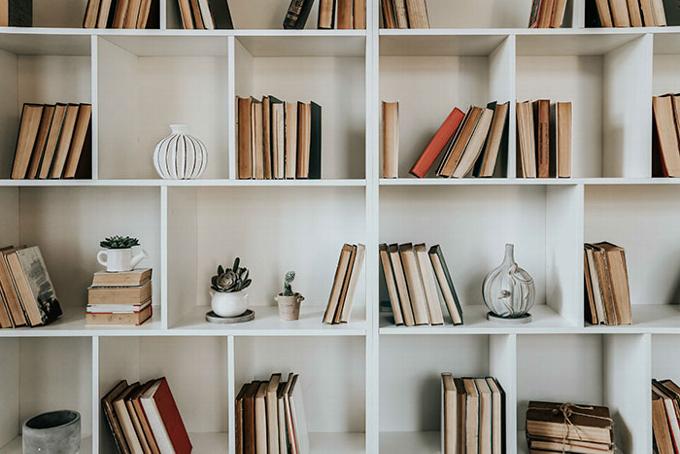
[180,156]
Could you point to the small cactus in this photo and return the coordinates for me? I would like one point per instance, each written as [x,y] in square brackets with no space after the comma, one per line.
[287,283]
[119,242]
[232,279]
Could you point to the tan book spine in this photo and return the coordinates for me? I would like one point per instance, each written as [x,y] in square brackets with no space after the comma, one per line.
[266,137]
[400,13]
[23,287]
[144,11]
[402,287]
[198,18]
[359,14]
[290,154]
[28,131]
[415,285]
[493,144]
[261,419]
[345,14]
[104,12]
[665,128]
[338,281]
[303,140]
[185,12]
[390,155]
[137,426]
[647,13]
[40,142]
[119,14]
[245,157]
[52,141]
[434,307]
[559,9]
[619,10]
[326,14]
[417,14]
[90,19]
[659,13]
[132,318]
[345,286]
[388,14]
[604,13]
[391,285]
[564,139]
[10,292]
[257,136]
[132,14]
[357,266]
[78,141]
[461,141]
[525,131]
[474,146]
[119,295]
[61,153]
[634,13]
[542,128]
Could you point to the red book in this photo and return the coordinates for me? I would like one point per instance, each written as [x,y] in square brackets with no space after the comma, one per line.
[437,144]
[164,418]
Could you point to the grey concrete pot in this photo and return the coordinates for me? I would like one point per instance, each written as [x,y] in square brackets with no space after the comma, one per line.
[56,432]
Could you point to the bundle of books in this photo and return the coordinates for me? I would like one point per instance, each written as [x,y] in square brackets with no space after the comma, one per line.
[53,142]
[413,276]
[16,13]
[569,428]
[205,14]
[606,282]
[405,14]
[544,139]
[666,146]
[473,415]
[144,418]
[278,139]
[665,416]
[350,263]
[469,144]
[547,13]
[625,13]
[122,298]
[270,417]
[121,14]
[27,296]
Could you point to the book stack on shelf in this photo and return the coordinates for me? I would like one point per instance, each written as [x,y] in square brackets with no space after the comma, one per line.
[341,14]
[122,298]
[405,14]
[16,13]
[465,144]
[339,307]
[625,13]
[412,274]
[473,415]
[27,296]
[270,417]
[205,14]
[278,140]
[121,14]
[547,13]
[556,427]
[544,139]
[144,418]
[666,142]
[53,142]
[606,283]
[666,416]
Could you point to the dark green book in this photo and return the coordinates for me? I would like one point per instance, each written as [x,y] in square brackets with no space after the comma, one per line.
[315,143]
[445,281]
[16,13]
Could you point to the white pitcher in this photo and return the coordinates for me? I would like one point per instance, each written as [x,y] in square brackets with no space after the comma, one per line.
[116,260]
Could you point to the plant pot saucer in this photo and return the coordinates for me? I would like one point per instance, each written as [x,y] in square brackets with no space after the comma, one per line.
[245,317]
[526,318]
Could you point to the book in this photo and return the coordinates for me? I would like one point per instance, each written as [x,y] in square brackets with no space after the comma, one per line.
[31,116]
[186,15]
[136,424]
[592,276]
[272,405]
[497,416]
[605,284]
[64,144]
[485,415]
[563,138]
[52,140]
[291,139]
[267,137]
[400,13]
[245,154]
[345,14]
[238,420]
[261,419]
[165,419]
[430,286]
[249,417]
[141,416]
[112,419]
[130,317]
[604,13]
[542,130]
[119,14]
[105,15]
[221,14]
[544,13]
[459,142]
[667,147]
[345,311]
[314,163]
[591,423]
[647,13]
[402,288]
[5,317]
[388,274]
[496,140]
[297,410]
[119,295]
[326,14]
[359,14]
[297,14]
[533,15]
[388,17]
[40,141]
[206,15]
[91,11]
[16,13]
[278,140]
[132,278]
[618,276]
[559,10]
[447,129]
[474,146]
[78,142]
[619,12]
[256,140]
[659,13]
[303,140]
[390,132]
[415,285]
[634,13]
[10,292]
[526,163]
[196,12]
[663,440]
[446,286]
[144,13]
[132,14]
[449,424]
[338,280]
[125,420]
[344,290]
[417,14]
[472,421]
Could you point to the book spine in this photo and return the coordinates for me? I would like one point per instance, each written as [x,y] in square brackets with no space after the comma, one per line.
[297,15]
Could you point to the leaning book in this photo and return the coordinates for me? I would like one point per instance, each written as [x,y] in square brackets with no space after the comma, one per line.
[35,271]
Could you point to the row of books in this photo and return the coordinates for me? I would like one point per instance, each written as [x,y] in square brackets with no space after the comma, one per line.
[666,142]
[666,416]
[343,14]
[626,13]
[544,136]
[405,14]
[205,14]
[144,418]
[466,144]
[547,13]
[121,14]
[122,298]
[569,428]
[278,139]
[473,415]
[270,417]
[53,142]
[606,283]
[339,307]
[415,278]
[27,296]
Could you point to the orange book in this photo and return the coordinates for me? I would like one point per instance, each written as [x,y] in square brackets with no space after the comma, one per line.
[437,144]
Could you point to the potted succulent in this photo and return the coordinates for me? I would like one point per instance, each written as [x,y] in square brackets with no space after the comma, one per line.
[118,254]
[289,302]
[227,297]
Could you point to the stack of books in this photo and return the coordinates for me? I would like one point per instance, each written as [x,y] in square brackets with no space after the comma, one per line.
[473,415]
[16,13]
[144,418]
[468,144]
[665,416]
[351,14]
[27,296]
[405,14]
[544,139]
[547,13]
[587,429]
[350,263]
[625,13]
[278,139]
[270,417]
[606,283]
[121,14]
[205,14]
[122,298]
[53,142]
[413,276]
[666,155]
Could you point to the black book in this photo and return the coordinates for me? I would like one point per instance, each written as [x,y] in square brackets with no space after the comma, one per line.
[315,143]
[592,15]
[278,154]
[16,13]
[297,15]
[222,14]
[672,9]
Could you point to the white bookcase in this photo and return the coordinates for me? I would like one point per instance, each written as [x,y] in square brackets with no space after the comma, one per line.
[369,386]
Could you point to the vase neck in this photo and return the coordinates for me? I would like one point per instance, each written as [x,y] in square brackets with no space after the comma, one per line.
[509,254]
[179,129]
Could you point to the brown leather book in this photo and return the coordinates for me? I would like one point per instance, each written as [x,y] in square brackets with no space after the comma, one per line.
[249,418]
[245,154]
[119,14]
[198,18]
[104,13]
[114,423]
[345,285]
[400,13]
[542,129]
[132,14]
[31,116]
[402,288]
[526,162]
[359,14]
[185,12]
[52,140]
[618,275]
[238,419]
[494,141]
[390,130]
[257,137]
[10,291]
[326,14]
[634,13]
[90,19]
[588,422]
[460,142]
[64,144]
[338,282]
[417,14]
[345,14]
[267,137]
[619,10]
[291,139]
[416,290]
[79,141]
[304,140]
[667,147]
[124,318]
[40,142]
[388,18]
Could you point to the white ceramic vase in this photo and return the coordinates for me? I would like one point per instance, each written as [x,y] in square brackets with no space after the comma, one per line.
[231,304]
[117,260]
[180,156]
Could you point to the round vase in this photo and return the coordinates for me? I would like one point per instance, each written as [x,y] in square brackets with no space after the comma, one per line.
[289,306]
[508,290]
[229,304]
[180,156]
[56,432]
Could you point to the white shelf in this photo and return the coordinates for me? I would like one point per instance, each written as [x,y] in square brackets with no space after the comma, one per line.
[337,443]
[14,446]
[410,442]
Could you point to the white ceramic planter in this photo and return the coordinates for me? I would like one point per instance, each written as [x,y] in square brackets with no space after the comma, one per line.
[180,156]
[229,304]
[116,260]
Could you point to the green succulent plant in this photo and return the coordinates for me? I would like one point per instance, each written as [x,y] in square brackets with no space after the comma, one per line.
[287,283]
[230,280]
[119,242]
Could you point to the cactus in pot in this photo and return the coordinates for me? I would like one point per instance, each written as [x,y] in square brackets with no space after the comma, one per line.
[289,301]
